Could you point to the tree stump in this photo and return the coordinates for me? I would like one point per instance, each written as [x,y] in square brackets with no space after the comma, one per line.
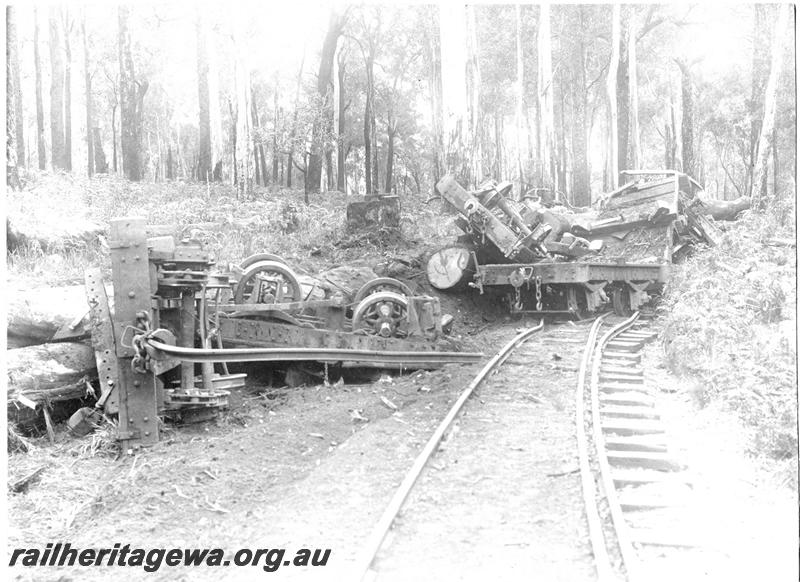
[374,213]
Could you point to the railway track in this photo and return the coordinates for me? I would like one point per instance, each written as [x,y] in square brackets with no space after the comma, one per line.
[623,471]
[634,490]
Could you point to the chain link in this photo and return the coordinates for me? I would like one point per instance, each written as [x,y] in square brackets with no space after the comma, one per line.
[538,282]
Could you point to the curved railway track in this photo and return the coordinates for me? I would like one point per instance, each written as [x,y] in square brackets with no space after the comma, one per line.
[631,484]
[620,449]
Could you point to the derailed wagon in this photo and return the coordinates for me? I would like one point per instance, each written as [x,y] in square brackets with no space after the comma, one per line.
[568,263]
[172,311]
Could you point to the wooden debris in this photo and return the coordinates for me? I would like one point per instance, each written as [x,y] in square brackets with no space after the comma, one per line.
[21,485]
[726,209]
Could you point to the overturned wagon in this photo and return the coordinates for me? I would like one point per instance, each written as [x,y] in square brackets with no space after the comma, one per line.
[171,311]
[568,263]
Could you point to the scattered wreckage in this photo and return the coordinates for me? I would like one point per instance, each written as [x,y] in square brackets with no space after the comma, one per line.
[571,263]
[171,312]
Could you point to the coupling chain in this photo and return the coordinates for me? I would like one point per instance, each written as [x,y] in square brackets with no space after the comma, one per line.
[140,361]
[538,282]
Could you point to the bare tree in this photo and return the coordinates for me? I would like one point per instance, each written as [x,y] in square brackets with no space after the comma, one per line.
[132,92]
[58,153]
[321,125]
[87,76]
[37,65]
[67,24]
[545,84]
[205,160]
[770,102]
[13,83]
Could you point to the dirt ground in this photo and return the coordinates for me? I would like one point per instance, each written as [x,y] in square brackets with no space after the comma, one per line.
[314,467]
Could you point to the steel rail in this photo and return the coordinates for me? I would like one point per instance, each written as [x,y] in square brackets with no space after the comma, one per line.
[601,558]
[629,558]
[161,350]
[381,529]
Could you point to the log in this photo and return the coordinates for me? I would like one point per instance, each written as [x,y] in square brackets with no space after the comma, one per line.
[726,209]
[39,315]
[450,268]
[49,372]
[51,234]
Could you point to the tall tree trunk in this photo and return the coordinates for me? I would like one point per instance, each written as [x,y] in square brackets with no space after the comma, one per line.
[321,125]
[390,132]
[258,146]
[760,72]
[67,91]
[37,65]
[623,91]
[687,120]
[453,30]
[368,135]
[12,173]
[770,103]
[498,144]
[290,156]
[132,93]
[474,96]
[545,88]
[214,112]
[58,155]
[612,171]
[114,137]
[581,188]
[100,163]
[87,76]
[635,158]
[16,90]
[341,183]
[433,49]
[520,110]
[244,151]
[205,157]
[275,122]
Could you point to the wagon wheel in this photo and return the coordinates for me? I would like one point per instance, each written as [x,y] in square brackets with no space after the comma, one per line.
[621,300]
[383,313]
[382,284]
[252,259]
[269,277]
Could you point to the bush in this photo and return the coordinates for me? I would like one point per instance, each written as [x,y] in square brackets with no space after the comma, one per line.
[729,327]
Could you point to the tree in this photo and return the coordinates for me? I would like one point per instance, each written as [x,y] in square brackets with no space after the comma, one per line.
[57,143]
[520,110]
[37,65]
[612,169]
[244,146]
[13,83]
[87,75]
[132,93]
[765,142]
[687,119]
[67,23]
[321,126]
[205,159]
[455,131]
[545,88]
[341,73]
[635,147]
[581,189]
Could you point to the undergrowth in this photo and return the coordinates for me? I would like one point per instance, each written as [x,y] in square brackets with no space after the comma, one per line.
[730,328]
[69,216]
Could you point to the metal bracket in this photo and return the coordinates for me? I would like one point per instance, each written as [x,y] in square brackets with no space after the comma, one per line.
[638,293]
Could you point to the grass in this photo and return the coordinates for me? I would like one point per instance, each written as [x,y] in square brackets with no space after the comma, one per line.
[275,220]
[729,328]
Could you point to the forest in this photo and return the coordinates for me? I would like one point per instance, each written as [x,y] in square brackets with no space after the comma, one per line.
[387,97]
